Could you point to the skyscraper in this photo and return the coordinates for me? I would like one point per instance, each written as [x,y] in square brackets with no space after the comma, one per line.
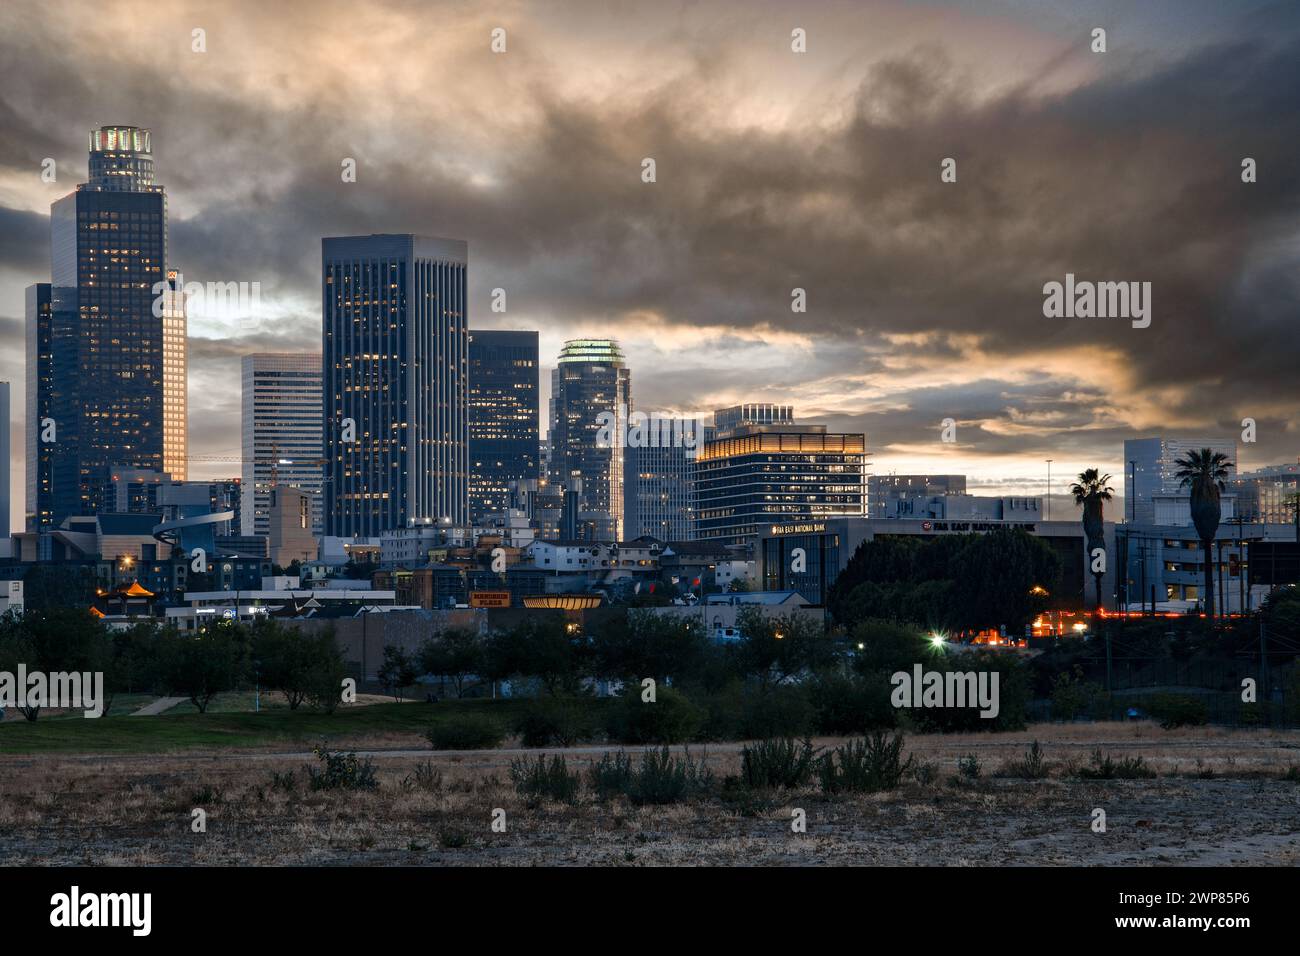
[762,469]
[883,491]
[176,432]
[281,427]
[394,369]
[591,396]
[659,480]
[1152,495]
[108,252]
[39,482]
[503,417]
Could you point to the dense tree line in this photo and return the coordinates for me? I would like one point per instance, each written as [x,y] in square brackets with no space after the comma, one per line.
[956,583]
[148,658]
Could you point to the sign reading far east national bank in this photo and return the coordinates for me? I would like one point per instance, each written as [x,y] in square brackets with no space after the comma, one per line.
[798,528]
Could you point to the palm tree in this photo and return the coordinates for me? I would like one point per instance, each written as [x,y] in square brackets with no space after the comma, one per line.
[1091,491]
[1204,471]
[1293,502]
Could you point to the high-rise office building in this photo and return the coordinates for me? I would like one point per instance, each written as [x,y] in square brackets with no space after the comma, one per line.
[503,417]
[394,365]
[1268,494]
[659,479]
[104,371]
[884,490]
[761,470]
[39,478]
[281,427]
[591,397]
[1152,493]
[176,430]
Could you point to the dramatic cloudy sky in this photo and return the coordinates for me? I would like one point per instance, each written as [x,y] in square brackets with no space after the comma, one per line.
[775,170]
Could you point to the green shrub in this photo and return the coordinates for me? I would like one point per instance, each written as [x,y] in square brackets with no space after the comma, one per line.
[723,712]
[465,732]
[1013,694]
[925,773]
[284,781]
[659,778]
[452,839]
[1032,766]
[662,779]
[1105,768]
[851,705]
[341,771]
[670,719]
[776,712]
[539,779]
[779,762]
[968,767]
[426,777]
[873,763]
[1072,696]
[206,794]
[554,722]
[1178,710]
[610,776]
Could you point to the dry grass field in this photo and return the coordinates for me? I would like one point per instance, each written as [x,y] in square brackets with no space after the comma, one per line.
[1219,797]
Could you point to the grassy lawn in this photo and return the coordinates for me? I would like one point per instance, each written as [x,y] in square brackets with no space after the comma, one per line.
[239,728]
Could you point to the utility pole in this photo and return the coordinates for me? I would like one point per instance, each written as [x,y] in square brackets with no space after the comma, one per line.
[1221,610]
[1133,484]
[1049,498]
[1263,660]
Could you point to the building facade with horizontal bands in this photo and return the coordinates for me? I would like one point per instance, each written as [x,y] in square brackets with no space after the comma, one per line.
[395,364]
[753,475]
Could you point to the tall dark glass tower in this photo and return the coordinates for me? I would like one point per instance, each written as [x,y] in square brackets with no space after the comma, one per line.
[591,386]
[503,417]
[103,372]
[40,397]
[394,367]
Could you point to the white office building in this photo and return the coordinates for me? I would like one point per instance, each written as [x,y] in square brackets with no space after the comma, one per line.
[281,433]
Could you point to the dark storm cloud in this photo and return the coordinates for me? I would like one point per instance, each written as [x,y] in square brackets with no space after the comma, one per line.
[25,242]
[1134,175]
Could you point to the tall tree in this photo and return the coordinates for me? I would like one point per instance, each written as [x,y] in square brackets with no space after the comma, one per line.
[457,653]
[1092,491]
[1203,471]
[398,670]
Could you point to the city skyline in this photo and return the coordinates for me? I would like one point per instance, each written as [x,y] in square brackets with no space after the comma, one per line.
[827,166]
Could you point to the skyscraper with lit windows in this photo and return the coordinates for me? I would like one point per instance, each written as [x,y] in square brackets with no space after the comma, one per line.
[761,470]
[100,342]
[503,417]
[394,368]
[591,398]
